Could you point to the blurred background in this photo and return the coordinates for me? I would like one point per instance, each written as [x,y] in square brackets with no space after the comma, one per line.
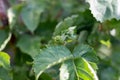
[28,25]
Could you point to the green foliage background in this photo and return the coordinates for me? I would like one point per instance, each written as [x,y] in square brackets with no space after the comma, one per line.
[61,40]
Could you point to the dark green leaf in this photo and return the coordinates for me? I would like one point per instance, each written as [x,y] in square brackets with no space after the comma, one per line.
[31,15]
[50,57]
[29,45]
[85,51]
[45,76]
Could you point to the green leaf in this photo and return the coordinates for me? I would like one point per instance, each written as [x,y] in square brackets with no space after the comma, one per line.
[31,15]
[50,57]
[29,44]
[85,51]
[5,36]
[56,54]
[45,76]
[105,9]
[77,69]
[81,50]
[5,74]
[13,13]
[4,60]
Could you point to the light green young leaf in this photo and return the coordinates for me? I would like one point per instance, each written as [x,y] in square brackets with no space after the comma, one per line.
[50,57]
[5,60]
[5,36]
[105,9]
[85,70]
[63,25]
[94,65]
[67,35]
[29,45]
[65,30]
[77,69]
